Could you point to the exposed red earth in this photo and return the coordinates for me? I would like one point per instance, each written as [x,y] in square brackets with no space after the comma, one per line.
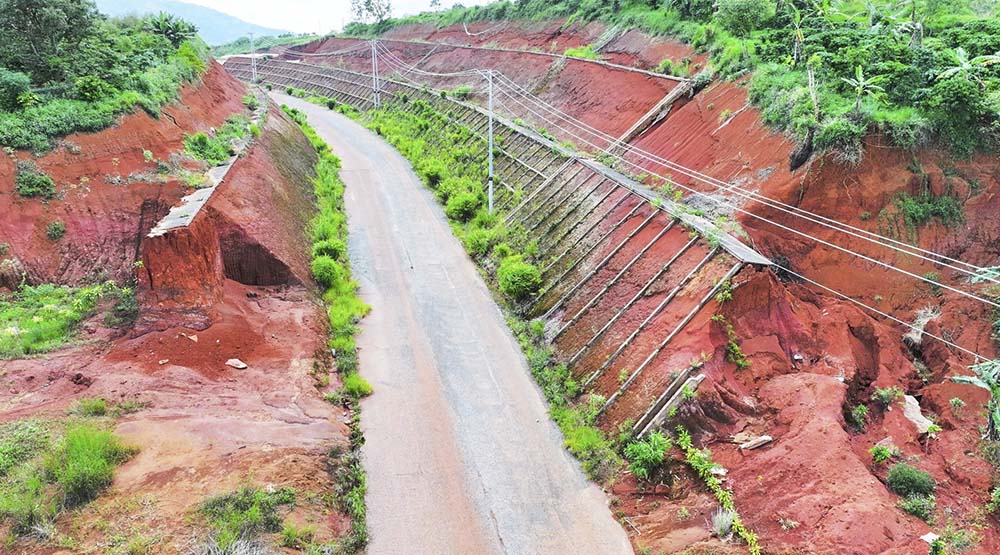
[814,489]
[235,284]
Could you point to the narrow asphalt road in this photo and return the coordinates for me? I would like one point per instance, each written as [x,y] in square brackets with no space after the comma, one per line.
[460,452]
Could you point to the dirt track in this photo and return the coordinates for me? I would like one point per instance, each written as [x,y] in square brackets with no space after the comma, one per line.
[460,452]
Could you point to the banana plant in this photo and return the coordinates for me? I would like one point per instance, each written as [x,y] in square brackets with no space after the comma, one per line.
[864,86]
[987,377]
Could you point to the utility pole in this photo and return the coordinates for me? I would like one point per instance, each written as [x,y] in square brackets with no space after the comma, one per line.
[375,83]
[253,61]
[489,80]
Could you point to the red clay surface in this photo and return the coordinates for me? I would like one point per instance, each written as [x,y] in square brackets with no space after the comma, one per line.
[234,285]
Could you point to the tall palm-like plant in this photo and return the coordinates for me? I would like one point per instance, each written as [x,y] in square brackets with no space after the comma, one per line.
[864,86]
[175,29]
[799,36]
[987,377]
[968,68]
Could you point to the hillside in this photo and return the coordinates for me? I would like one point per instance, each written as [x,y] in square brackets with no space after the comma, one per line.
[214,27]
[163,345]
[883,247]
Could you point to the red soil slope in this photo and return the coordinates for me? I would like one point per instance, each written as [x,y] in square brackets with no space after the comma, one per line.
[234,285]
[109,194]
[812,354]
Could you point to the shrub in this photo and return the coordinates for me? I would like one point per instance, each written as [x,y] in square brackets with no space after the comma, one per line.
[12,85]
[205,148]
[55,230]
[518,279]
[95,406]
[462,207]
[463,92]
[432,171]
[881,453]
[920,506]
[92,88]
[83,462]
[478,241]
[251,102]
[646,456]
[356,386]
[454,185]
[722,522]
[885,397]
[907,481]
[295,537]
[30,182]
[859,416]
[327,271]
[332,248]
[994,504]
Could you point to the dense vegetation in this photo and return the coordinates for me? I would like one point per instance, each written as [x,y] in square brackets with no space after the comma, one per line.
[65,68]
[827,72]
[242,44]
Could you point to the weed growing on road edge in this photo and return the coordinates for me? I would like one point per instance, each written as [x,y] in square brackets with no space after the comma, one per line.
[331,267]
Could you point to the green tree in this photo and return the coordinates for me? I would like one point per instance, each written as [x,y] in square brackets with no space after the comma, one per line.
[743,17]
[37,34]
[371,10]
[12,85]
[864,86]
[175,29]
[987,377]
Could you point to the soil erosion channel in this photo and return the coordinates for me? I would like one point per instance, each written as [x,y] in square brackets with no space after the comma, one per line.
[460,452]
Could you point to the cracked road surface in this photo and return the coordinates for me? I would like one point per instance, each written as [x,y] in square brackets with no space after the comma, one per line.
[460,452]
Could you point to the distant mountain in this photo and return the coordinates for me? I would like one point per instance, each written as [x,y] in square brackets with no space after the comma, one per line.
[214,26]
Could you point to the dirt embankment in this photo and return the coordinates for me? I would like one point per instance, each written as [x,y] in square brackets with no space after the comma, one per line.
[235,284]
[812,355]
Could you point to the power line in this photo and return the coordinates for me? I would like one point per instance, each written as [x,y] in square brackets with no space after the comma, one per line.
[791,272]
[971,270]
[731,187]
[885,242]
[762,218]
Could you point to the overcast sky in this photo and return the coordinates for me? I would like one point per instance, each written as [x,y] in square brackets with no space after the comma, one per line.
[311,16]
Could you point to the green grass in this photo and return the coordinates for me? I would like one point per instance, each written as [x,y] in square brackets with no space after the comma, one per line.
[43,470]
[94,406]
[83,462]
[356,386]
[38,319]
[586,52]
[217,148]
[19,441]
[245,513]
